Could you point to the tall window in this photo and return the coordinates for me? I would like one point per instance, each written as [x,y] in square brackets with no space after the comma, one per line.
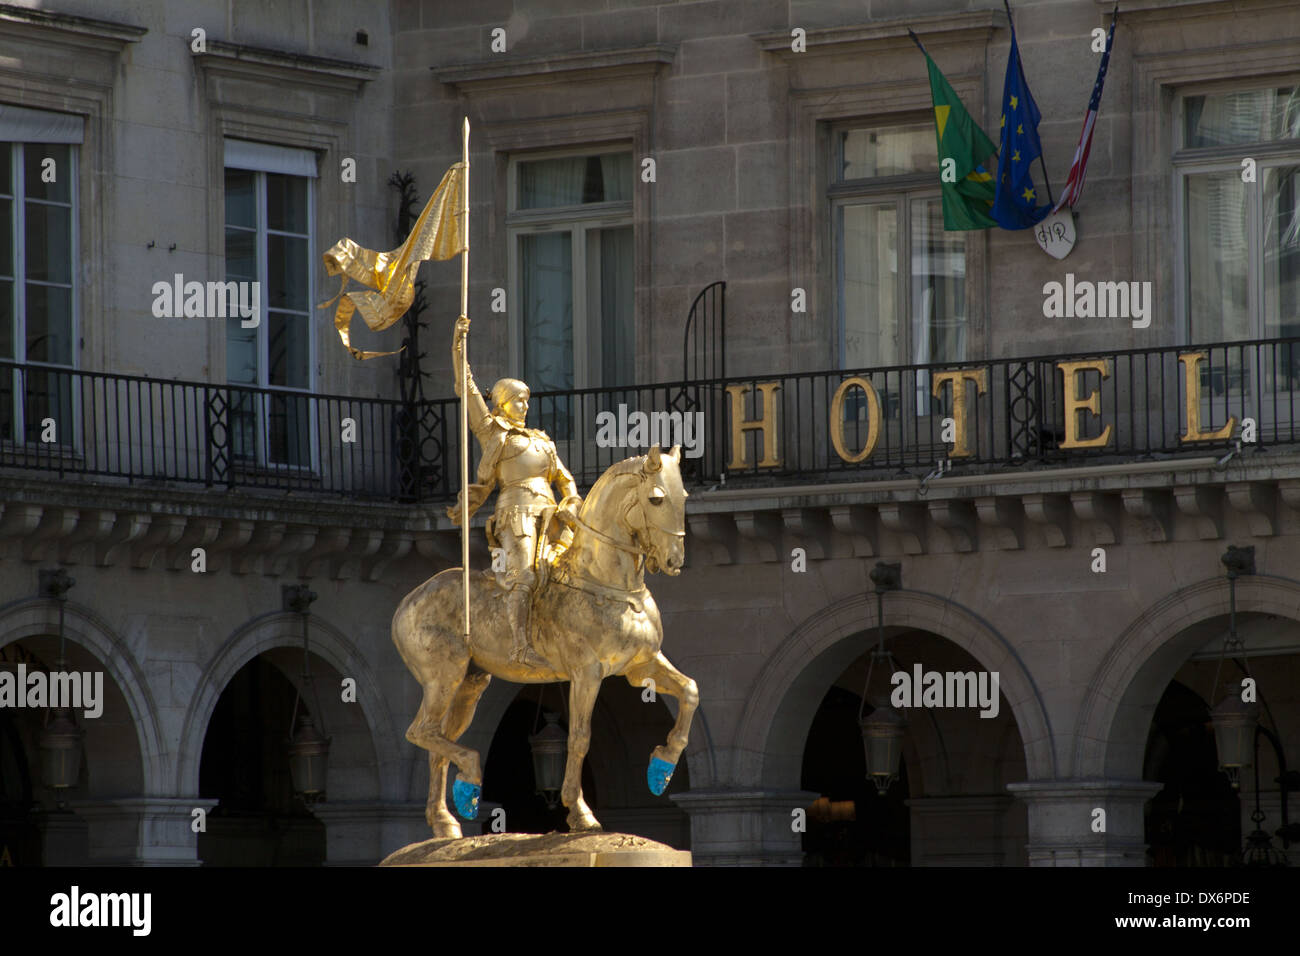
[900,278]
[269,224]
[1241,241]
[37,295]
[571,265]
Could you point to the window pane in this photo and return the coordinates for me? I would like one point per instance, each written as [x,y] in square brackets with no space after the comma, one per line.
[868,247]
[241,353]
[6,169]
[938,286]
[1282,252]
[37,171]
[288,350]
[49,324]
[287,430]
[6,323]
[887,151]
[286,203]
[48,394]
[1216,257]
[546,284]
[286,268]
[241,195]
[6,234]
[609,305]
[49,242]
[575,180]
[241,254]
[1246,116]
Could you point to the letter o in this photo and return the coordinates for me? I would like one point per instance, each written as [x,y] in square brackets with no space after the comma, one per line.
[837,419]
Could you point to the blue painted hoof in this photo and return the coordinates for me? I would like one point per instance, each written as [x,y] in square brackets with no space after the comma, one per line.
[658,774]
[465,796]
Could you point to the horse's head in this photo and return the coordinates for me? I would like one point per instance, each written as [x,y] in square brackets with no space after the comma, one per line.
[657,517]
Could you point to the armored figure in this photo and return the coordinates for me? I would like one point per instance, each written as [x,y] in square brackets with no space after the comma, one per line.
[522,464]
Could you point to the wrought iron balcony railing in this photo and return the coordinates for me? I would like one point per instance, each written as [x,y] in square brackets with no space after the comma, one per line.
[766,429]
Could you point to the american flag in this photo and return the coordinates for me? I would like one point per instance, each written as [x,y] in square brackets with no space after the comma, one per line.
[1079,165]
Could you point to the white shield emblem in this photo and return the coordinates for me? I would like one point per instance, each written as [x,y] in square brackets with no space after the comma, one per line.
[1055,234]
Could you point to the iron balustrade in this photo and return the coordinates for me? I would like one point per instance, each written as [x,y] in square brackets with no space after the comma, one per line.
[136,429]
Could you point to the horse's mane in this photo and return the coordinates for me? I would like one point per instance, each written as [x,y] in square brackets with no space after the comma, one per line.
[628,466]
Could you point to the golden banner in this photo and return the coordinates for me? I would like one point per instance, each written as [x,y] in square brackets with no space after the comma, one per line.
[437,234]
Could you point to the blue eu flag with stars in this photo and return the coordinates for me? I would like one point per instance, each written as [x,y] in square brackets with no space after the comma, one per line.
[1017,204]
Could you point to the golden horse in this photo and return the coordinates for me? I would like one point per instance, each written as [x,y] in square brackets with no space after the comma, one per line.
[592,619]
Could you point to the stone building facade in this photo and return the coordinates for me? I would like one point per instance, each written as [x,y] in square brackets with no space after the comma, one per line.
[625,156]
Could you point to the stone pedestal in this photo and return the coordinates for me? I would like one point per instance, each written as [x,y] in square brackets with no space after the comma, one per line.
[1061,815]
[745,827]
[529,849]
[358,834]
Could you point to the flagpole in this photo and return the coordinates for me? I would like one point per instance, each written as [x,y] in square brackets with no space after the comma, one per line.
[917,40]
[464,379]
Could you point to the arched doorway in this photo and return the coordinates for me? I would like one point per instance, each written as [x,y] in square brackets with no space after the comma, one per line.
[949,805]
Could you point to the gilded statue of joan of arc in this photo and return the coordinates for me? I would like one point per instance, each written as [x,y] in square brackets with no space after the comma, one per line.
[522,464]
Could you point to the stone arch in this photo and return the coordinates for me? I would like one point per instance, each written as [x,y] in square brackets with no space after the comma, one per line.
[283,629]
[780,708]
[39,617]
[1111,732]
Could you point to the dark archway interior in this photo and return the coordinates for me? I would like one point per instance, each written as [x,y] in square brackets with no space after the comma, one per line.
[245,765]
[1195,820]
[508,777]
[20,843]
[852,825]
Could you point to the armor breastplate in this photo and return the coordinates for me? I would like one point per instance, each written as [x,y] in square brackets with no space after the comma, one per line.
[523,471]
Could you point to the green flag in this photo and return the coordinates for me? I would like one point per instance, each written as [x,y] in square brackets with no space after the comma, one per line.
[967,201]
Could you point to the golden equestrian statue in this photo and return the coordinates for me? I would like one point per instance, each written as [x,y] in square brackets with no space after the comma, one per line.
[579,613]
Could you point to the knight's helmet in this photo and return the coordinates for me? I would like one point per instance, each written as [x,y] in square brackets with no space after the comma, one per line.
[506,389]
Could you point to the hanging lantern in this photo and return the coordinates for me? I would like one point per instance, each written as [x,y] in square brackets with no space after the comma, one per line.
[549,746]
[60,751]
[308,760]
[882,738]
[1234,734]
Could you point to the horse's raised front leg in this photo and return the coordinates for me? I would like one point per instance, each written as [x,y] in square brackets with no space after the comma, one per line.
[582,700]
[454,724]
[427,731]
[668,680]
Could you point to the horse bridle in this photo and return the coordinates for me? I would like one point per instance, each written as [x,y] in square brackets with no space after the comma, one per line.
[640,551]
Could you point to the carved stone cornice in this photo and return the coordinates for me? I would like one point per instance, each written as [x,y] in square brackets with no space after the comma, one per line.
[159,528]
[504,72]
[263,65]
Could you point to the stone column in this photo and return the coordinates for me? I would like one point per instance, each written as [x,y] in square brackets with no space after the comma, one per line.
[745,827]
[1061,821]
[142,831]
